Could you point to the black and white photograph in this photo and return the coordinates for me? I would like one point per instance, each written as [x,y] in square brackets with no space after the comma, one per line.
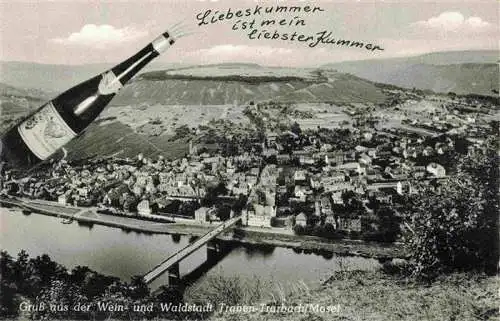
[249,160]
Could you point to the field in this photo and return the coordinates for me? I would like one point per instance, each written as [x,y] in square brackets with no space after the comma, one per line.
[160,119]
[323,115]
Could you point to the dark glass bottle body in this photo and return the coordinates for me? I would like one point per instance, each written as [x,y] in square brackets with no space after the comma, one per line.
[42,133]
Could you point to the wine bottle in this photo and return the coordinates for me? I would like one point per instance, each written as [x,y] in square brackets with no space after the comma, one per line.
[42,133]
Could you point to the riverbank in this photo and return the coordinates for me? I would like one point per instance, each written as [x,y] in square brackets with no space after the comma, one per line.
[245,235]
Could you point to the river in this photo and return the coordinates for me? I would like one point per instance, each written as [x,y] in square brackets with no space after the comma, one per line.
[115,252]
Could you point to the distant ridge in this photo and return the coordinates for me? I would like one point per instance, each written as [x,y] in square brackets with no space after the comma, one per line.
[435,58]
[462,72]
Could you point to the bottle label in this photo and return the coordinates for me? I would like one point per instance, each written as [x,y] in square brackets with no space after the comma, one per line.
[45,132]
[109,84]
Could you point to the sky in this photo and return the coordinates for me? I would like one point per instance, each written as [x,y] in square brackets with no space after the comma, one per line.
[83,32]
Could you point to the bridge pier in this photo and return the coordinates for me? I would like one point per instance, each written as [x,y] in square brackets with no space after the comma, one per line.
[174,276]
[214,250]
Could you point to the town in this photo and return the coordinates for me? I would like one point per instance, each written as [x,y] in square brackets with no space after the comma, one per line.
[347,180]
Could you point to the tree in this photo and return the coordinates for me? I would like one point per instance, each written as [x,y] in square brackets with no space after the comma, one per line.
[182,132]
[299,229]
[455,226]
[240,203]
[483,167]
[295,128]
[46,269]
[353,203]
[388,224]
[213,191]
[8,288]
[138,289]
[188,208]
[223,212]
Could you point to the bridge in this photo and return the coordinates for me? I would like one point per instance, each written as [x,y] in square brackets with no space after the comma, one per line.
[171,264]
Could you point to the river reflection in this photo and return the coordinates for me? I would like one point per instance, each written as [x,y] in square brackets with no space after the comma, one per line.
[176,238]
[125,253]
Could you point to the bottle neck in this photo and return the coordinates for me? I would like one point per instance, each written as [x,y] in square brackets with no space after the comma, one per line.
[130,67]
[114,79]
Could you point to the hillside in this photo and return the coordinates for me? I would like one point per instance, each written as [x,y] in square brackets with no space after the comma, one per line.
[216,85]
[378,296]
[462,72]
[114,138]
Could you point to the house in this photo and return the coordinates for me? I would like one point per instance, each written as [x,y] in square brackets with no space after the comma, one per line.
[271,138]
[436,170]
[264,210]
[367,136]
[350,166]
[338,186]
[65,198]
[237,190]
[337,176]
[143,208]
[129,202]
[428,151]
[113,196]
[361,169]
[258,215]
[337,197]
[268,152]
[299,176]
[137,190]
[372,152]
[373,174]
[201,214]
[365,159]
[298,153]
[83,192]
[254,171]
[315,182]
[334,158]
[306,160]
[326,147]
[360,149]
[383,197]
[283,159]
[384,154]
[396,173]
[330,219]
[326,205]
[317,208]
[301,192]
[301,219]
[403,188]
[349,224]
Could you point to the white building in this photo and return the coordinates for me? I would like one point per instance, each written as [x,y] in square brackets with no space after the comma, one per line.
[143,208]
[436,170]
